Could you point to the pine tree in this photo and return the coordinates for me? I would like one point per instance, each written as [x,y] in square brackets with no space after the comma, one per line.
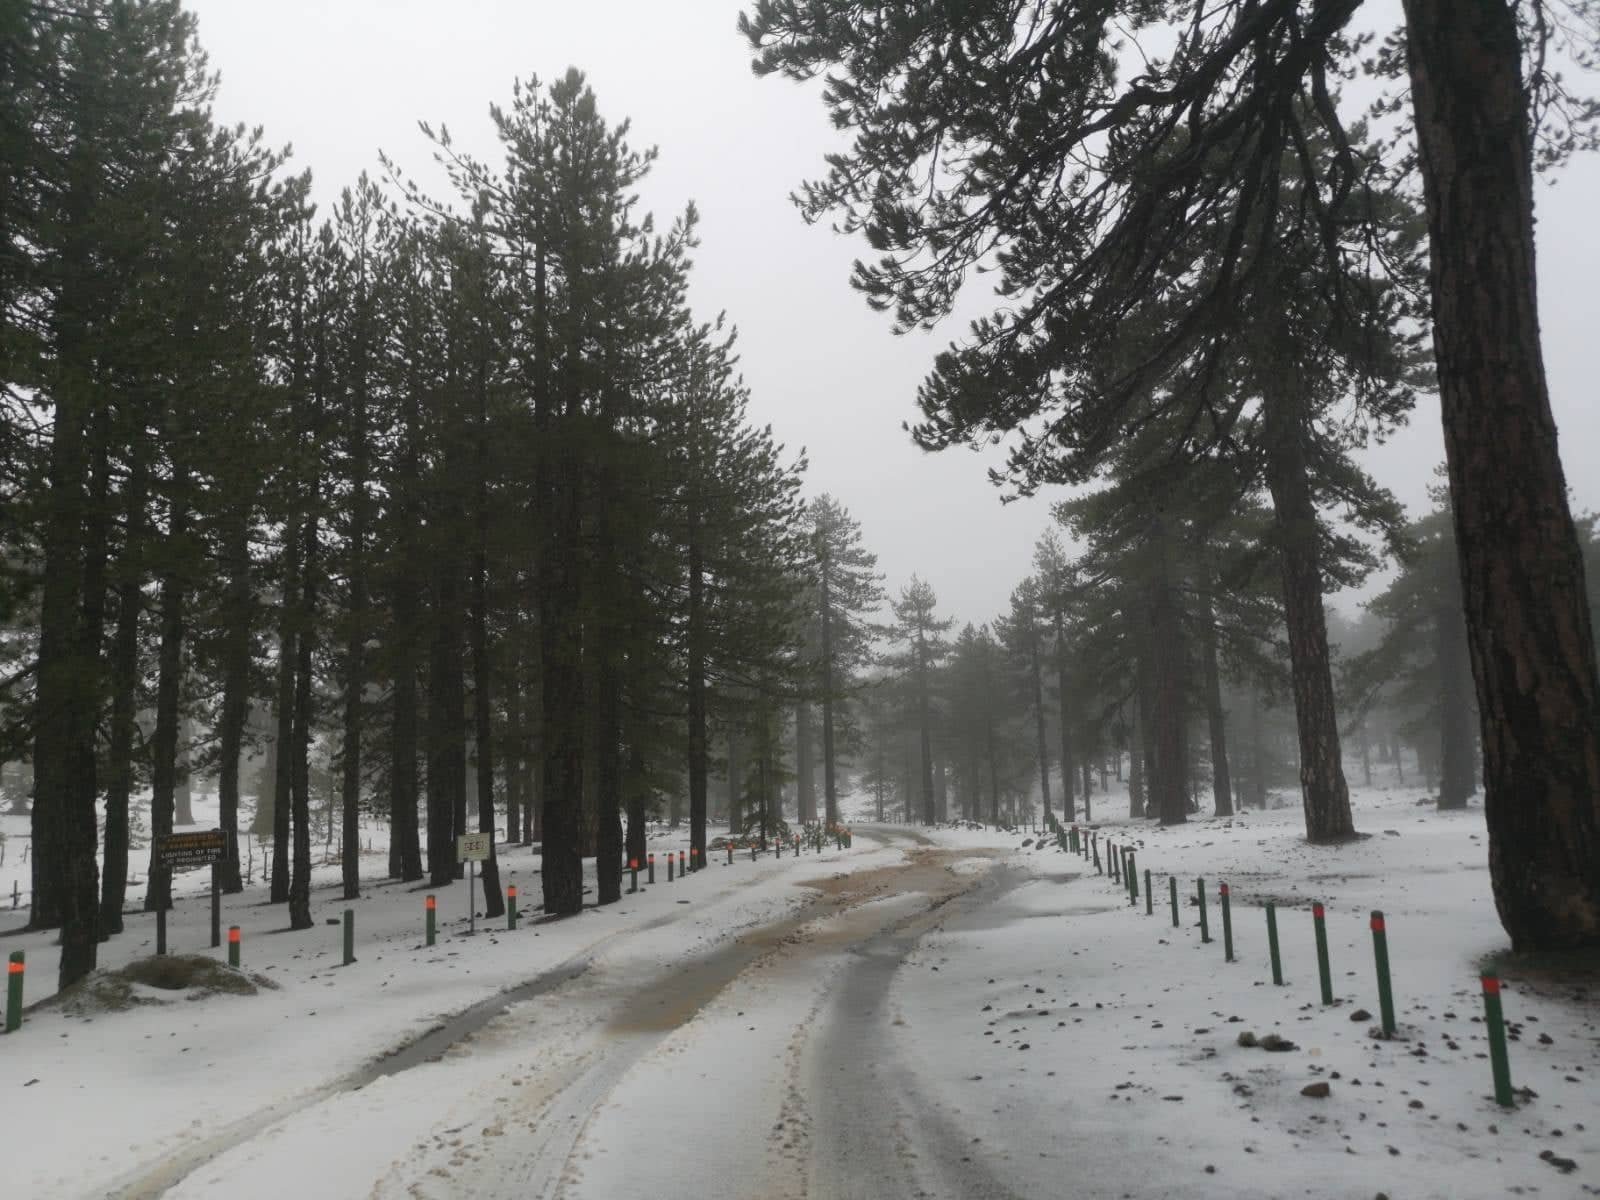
[921,633]
[846,591]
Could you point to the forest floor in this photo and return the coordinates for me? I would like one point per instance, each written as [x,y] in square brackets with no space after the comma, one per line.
[934,1013]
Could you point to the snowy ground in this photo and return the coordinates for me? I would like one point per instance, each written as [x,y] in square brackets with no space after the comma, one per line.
[937,1014]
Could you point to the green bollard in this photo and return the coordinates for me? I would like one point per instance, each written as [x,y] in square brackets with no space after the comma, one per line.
[511,902]
[431,906]
[233,946]
[1133,879]
[1205,928]
[1227,924]
[1149,895]
[1094,845]
[1172,884]
[1494,1019]
[1380,954]
[16,969]
[1324,972]
[349,936]
[1272,943]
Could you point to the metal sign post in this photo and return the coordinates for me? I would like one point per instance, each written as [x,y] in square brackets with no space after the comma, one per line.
[201,848]
[473,848]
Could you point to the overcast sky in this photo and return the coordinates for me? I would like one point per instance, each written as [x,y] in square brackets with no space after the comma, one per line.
[340,79]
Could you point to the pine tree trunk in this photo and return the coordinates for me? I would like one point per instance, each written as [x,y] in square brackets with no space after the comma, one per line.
[183,776]
[925,730]
[1528,623]
[804,768]
[695,666]
[447,734]
[494,901]
[1168,728]
[1069,769]
[1216,716]
[300,739]
[637,842]
[282,754]
[735,806]
[830,792]
[169,679]
[1036,677]
[1322,784]
[1136,759]
[235,696]
[124,696]
[403,782]
[513,753]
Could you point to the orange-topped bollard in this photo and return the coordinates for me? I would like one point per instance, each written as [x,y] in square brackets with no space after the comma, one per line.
[15,969]
[683,862]
[650,863]
[430,908]
[633,872]
[233,945]
[511,907]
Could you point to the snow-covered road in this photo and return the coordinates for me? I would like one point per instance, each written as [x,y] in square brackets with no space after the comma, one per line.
[770,1051]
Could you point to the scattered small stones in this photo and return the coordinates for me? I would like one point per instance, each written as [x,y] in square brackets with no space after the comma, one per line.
[1565,1165]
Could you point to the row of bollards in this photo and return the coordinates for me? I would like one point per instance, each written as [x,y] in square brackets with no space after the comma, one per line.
[1121,865]
[16,966]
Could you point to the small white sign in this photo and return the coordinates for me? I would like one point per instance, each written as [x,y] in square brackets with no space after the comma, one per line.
[474,847]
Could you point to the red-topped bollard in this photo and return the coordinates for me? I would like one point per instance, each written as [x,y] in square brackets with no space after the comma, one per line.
[650,863]
[683,863]
[1380,954]
[633,872]
[430,907]
[511,906]
[1494,1022]
[233,946]
[15,970]
[1324,971]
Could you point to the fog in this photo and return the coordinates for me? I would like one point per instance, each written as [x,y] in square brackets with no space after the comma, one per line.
[341,80]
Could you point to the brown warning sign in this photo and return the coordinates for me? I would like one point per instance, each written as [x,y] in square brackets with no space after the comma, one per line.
[201,848]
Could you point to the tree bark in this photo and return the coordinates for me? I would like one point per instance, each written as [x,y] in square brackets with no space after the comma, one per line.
[804,767]
[1069,812]
[1036,678]
[1528,624]
[1216,716]
[695,666]
[300,740]
[283,738]
[830,792]
[1325,795]
[124,696]
[238,612]
[169,680]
